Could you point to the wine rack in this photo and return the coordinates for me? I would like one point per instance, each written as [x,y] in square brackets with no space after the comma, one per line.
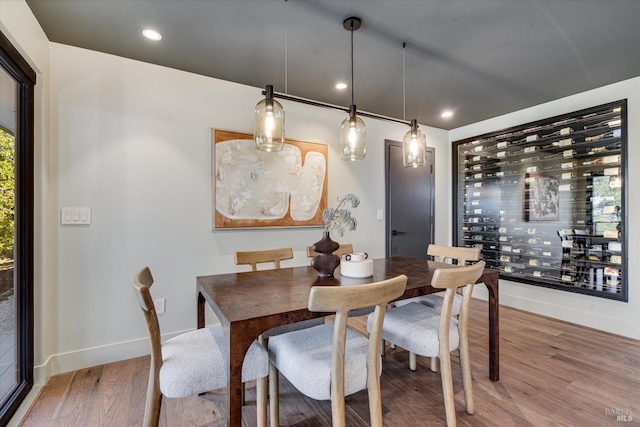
[546,201]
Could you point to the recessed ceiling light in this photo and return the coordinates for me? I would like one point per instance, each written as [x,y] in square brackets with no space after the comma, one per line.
[152,34]
[341,86]
[446,114]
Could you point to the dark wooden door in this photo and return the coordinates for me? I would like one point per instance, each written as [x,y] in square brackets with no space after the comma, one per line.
[410,204]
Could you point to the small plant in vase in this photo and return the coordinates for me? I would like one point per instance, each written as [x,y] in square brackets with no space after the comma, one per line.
[336,219]
[339,218]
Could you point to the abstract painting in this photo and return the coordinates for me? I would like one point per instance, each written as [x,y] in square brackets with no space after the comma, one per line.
[254,189]
[543,203]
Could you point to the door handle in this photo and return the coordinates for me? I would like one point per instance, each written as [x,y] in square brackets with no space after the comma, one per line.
[396,232]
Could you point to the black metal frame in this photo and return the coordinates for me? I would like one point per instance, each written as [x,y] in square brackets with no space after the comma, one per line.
[623,295]
[12,62]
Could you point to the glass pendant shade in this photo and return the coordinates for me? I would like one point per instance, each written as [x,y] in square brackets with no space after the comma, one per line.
[268,123]
[353,133]
[414,147]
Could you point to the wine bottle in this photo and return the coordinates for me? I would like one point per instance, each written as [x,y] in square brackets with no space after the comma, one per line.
[564,122]
[564,142]
[533,129]
[613,134]
[604,160]
[560,132]
[612,123]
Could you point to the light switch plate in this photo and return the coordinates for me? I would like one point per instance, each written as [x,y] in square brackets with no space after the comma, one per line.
[75,216]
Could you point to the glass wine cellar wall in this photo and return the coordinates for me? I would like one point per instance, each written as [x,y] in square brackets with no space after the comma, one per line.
[546,201]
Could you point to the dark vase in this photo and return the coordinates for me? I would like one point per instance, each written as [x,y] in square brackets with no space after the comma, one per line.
[325,262]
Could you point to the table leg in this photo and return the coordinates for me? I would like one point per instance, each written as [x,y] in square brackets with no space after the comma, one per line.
[200,310]
[236,351]
[494,325]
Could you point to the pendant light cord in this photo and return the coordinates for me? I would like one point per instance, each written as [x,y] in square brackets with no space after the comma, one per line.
[351,62]
[286,49]
[404,85]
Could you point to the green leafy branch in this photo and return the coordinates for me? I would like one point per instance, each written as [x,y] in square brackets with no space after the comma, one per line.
[339,219]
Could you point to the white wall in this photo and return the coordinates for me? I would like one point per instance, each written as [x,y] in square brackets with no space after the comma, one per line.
[132,141]
[613,316]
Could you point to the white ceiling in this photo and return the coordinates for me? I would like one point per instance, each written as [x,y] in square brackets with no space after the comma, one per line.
[480,58]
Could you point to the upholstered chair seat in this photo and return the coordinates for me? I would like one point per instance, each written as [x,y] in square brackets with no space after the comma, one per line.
[304,358]
[446,254]
[196,362]
[433,301]
[415,327]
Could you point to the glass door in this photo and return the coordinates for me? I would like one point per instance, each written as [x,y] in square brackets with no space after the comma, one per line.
[8,326]
[17,82]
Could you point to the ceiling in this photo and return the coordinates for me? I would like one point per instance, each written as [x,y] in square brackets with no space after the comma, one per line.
[478,58]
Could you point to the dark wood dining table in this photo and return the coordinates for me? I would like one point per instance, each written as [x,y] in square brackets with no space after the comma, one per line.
[248,304]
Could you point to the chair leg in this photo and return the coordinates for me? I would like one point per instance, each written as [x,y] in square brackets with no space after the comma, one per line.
[447,390]
[467,381]
[412,361]
[433,364]
[153,402]
[265,343]
[274,404]
[152,412]
[382,344]
[261,401]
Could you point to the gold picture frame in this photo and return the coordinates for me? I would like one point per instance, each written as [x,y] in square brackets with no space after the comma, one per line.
[255,189]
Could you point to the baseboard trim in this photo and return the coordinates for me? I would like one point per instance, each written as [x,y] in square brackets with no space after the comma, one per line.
[589,319]
[94,356]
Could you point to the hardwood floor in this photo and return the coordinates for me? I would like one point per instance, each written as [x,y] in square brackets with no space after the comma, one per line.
[552,373]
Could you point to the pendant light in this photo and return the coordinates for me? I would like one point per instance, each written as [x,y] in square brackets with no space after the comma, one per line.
[268,123]
[352,130]
[414,142]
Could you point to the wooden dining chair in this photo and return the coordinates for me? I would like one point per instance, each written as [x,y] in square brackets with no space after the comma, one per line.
[345,248]
[253,258]
[446,254]
[332,361]
[275,256]
[192,363]
[428,332]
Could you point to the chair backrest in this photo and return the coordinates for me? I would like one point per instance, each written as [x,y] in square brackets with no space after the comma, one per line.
[449,253]
[142,282]
[451,279]
[342,299]
[269,255]
[345,248]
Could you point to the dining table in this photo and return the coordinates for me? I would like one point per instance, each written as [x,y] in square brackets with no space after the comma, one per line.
[249,303]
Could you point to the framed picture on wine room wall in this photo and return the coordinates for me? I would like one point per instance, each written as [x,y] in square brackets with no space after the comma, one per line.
[541,196]
[257,189]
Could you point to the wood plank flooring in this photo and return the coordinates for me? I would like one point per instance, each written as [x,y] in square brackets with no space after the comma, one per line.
[552,373]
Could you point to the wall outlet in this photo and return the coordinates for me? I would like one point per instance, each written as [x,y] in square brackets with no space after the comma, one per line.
[160,305]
